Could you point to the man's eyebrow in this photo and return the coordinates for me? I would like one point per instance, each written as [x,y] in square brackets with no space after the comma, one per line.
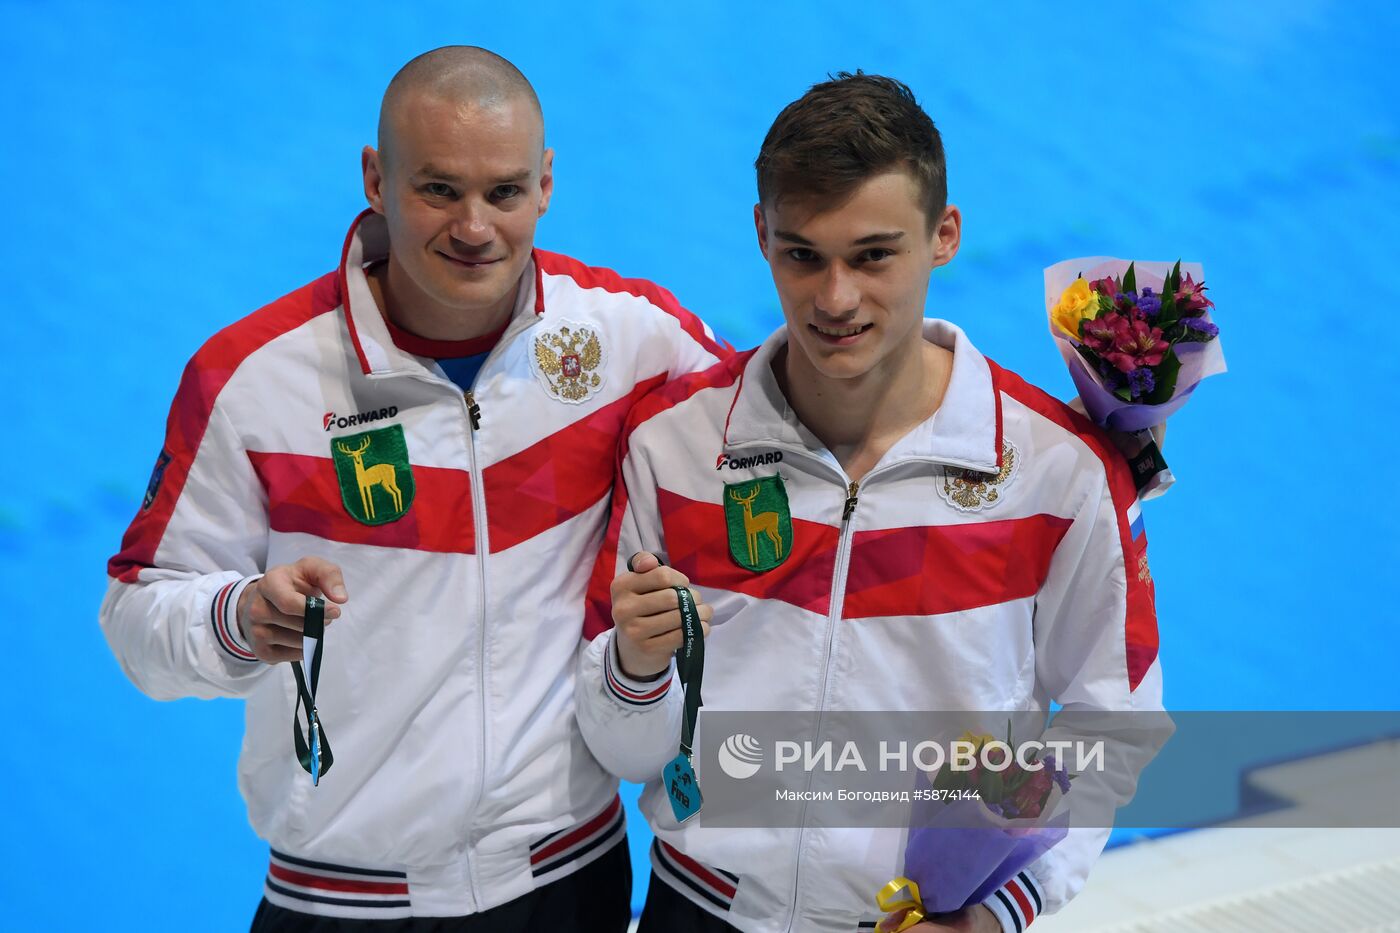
[880,238]
[428,170]
[792,238]
[863,241]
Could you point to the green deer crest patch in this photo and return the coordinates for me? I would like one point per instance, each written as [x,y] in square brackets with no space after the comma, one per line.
[759,523]
[376,481]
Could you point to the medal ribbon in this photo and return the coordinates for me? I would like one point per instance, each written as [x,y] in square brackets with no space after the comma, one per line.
[690,665]
[314,749]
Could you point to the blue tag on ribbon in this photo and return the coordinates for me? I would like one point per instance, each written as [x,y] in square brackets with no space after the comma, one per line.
[681,787]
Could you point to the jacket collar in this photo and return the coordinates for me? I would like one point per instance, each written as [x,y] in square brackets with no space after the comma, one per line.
[965,431]
[368,242]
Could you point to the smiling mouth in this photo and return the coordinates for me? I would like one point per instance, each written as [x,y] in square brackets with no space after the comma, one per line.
[469,263]
[840,334]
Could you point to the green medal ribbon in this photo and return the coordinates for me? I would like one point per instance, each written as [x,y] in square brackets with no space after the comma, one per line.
[682,786]
[313,749]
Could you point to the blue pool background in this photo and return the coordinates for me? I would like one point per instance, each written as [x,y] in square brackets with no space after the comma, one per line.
[168,171]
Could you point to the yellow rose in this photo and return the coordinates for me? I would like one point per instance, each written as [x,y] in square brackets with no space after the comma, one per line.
[1077,303]
[977,741]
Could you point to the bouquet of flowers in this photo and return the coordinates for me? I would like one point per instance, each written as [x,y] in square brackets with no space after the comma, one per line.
[974,831]
[1138,338]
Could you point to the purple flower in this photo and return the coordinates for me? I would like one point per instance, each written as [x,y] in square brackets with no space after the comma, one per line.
[1201,326]
[1149,304]
[1141,382]
[1112,378]
[1061,778]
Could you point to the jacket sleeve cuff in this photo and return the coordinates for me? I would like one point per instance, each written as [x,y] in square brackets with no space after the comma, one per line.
[1017,903]
[223,616]
[633,694]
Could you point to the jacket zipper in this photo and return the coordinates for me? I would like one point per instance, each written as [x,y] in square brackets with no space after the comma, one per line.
[479,529]
[833,619]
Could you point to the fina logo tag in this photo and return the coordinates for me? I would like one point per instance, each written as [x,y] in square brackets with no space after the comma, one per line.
[740,756]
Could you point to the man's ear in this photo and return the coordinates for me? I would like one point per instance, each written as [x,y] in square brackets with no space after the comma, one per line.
[373,169]
[546,180]
[947,236]
[760,226]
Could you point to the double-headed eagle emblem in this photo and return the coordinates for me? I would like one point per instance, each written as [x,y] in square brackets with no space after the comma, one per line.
[970,491]
[568,362]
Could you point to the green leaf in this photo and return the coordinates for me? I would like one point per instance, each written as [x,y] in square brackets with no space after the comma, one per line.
[992,787]
[1165,374]
[1169,313]
[1124,392]
[944,779]
[1174,280]
[1130,279]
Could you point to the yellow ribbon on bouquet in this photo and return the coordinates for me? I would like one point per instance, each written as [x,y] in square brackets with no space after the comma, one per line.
[893,898]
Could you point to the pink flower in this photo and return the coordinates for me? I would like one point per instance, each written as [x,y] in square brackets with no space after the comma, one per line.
[1030,796]
[1191,295]
[1105,286]
[1135,344]
[1098,334]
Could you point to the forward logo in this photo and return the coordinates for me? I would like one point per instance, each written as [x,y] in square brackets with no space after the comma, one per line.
[376,480]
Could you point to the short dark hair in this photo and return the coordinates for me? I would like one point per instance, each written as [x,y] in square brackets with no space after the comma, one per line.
[846,130]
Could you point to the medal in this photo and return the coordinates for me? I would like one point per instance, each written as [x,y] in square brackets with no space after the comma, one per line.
[678,777]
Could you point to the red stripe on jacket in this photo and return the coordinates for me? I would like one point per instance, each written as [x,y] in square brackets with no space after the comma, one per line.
[551,481]
[610,281]
[1140,622]
[204,378]
[697,540]
[303,495]
[721,885]
[923,571]
[597,615]
[578,834]
[336,884]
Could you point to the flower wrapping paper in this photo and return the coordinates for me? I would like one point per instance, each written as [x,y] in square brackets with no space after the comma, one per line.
[1198,360]
[959,853]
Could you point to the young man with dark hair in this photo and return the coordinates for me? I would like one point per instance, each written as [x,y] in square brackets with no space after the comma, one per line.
[898,524]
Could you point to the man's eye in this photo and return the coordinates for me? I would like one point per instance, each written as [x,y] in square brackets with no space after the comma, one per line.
[438,189]
[506,192]
[800,254]
[876,255]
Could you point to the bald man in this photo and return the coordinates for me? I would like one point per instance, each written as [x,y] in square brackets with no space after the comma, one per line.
[425,438]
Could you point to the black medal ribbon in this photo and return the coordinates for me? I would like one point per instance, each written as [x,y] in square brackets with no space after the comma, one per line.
[313,748]
[690,665]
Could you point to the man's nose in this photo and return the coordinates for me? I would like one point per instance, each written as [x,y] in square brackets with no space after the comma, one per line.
[472,224]
[838,294]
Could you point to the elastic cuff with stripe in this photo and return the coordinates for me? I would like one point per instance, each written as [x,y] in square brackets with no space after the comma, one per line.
[223,615]
[1017,903]
[634,694]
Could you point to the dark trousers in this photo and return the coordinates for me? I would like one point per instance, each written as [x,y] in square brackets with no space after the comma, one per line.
[667,911]
[595,899]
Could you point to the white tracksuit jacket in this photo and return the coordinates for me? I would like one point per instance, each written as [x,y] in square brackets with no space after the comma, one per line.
[993,560]
[447,689]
